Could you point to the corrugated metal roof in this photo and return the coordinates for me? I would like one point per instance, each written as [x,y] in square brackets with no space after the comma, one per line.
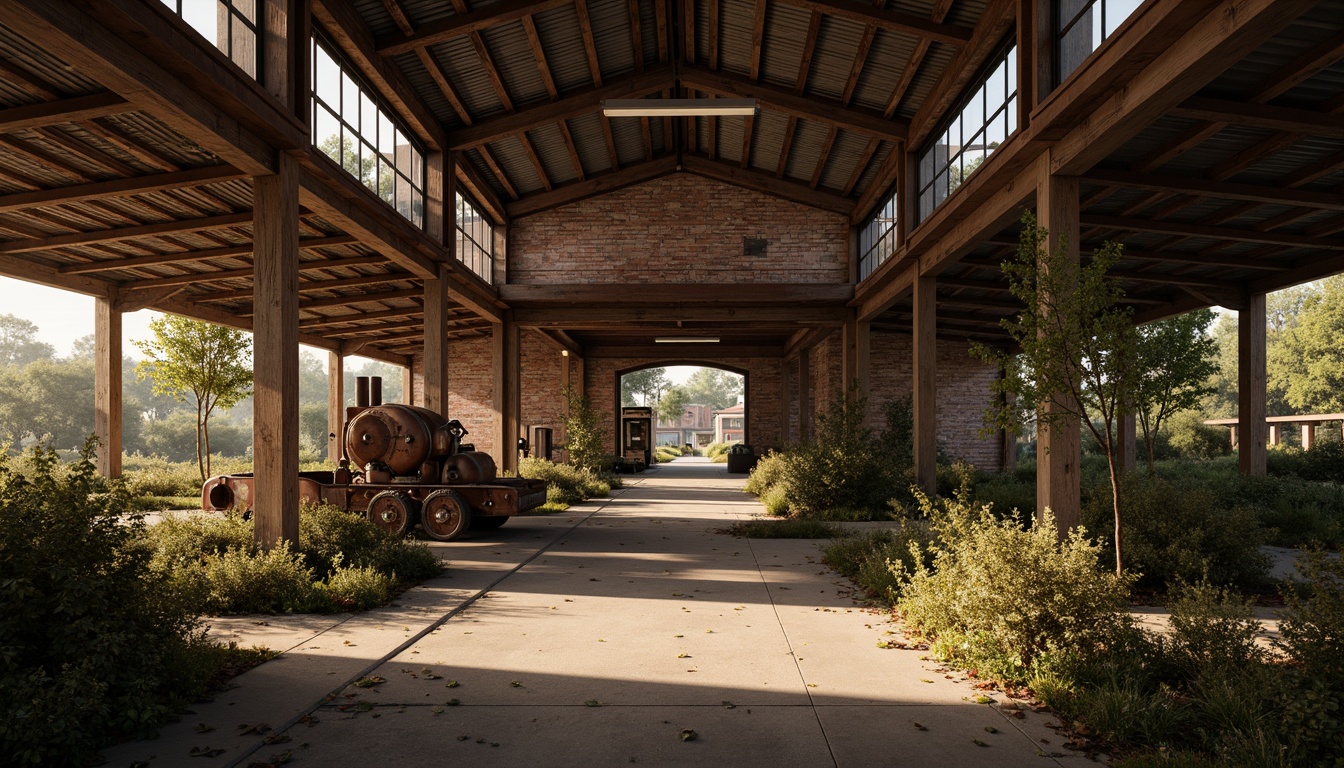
[629,138]
[586,130]
[611,33]
[427,89]
[512,158]
[869,176]
[886,62]
[844,157]
[45,69]
[516,64]
[768,140]
[730,138]
[550,146]
[837,43]
[808,139]
[457,57]
[562,39]
[782,47]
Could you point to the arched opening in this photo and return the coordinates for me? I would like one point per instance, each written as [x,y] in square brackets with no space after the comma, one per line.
[702,415]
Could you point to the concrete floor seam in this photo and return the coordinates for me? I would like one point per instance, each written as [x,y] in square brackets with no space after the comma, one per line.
[792,653]
[307,711]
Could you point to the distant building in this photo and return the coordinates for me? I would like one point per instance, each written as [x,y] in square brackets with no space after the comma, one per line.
[695,427]
[730,424]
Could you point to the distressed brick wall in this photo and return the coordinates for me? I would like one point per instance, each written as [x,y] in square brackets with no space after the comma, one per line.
[679,229]
[471,390]
[764,427]
[963,393]
[543,403]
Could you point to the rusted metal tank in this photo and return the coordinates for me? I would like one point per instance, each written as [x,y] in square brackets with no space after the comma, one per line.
[405,468]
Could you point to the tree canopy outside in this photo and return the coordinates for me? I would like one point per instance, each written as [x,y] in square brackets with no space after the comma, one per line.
[673,404]
[644,387]
[19,344]
[713,387]
[1307,363]
[210,363]
[1177,359]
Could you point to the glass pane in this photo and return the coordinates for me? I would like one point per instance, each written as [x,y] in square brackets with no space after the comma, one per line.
[349,107]
[327,78]
[327,133]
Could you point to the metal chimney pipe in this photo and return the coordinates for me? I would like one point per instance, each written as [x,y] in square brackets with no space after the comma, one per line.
[376,390]
[362,391]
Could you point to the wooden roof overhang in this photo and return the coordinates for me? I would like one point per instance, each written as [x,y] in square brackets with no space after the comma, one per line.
[1219,168]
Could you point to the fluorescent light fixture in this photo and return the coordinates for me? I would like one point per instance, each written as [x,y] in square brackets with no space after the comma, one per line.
[677,107]
[687,340]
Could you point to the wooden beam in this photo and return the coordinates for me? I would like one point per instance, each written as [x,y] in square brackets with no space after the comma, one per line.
[589,45]
[1274,118]
[1214,233]
[595,184]
[683,351]
[155,182]
[575,104]
[275,356]
[183,257]
[606,318]
[1275,195]
[335,406]
[107,385]
[537,165]
[825,155]
[539,54]
[118,64]
[712,10]
[783,100]
[912,64]
[925,382]
[894,21]
[479,190]
[998,18]
[1251,386]
[1226,33]
[660,15]
[766,183]
[435,346]
[463,24]
[498,171]
[507,368]
[1059,455]
[97,236]
[326,321]
[678,294]
[69,110]
[757,37]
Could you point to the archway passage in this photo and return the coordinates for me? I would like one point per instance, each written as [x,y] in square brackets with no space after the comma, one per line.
[691,403]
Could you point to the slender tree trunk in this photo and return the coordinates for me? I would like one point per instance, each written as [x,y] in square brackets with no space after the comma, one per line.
[200,460]
[1115,505]
[205,431]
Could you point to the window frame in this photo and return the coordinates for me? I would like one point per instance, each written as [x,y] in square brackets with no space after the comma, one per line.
[1060,29]
[1005,56]
[888,211]
[414,176]
[486,250]
[256,27]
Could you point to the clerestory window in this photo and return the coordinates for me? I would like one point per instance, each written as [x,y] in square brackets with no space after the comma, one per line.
[986,119]
[1081,26]
[877,239]
[354,127]
[232,25]
[475,239]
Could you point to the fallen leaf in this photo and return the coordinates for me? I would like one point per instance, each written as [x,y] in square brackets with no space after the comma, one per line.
[686,734]
[203,728]
[592,703]
[369,682]
[451,684]
[205,752]
[979,743]
[991,729]
[919,727]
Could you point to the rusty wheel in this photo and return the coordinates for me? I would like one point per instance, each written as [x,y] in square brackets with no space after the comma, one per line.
[447,515]
[393,511]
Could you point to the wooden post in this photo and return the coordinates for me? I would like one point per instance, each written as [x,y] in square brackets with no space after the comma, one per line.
[499,266]
[804,394]
[1127,443]
[855,345]
[1232,435]
[440,213]
[107,385]
[1058,445]
[408,385]
[507,393]
[1275,434]
[275,357]
[785,401]
[580,376]
[1308,436]
[925,383]
[1251,385]
[335,405]
[436,344]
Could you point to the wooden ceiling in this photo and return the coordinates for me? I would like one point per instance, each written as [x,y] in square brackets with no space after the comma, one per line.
[139,194]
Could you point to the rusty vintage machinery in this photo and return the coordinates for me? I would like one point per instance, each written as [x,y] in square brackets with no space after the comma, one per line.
[410,470]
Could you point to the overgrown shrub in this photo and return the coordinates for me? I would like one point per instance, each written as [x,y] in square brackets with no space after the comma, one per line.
[252,581]
[1002,597]
[585,434]
[795,528]
[356,589]
[565,483]
[843,467]
[880,561]
[717,452]
[1324,463]
[1190,437]
[1180,532]
[1211,629]
[93,642]
[1313,623]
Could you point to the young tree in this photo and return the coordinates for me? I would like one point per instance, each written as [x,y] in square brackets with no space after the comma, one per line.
[1176,360]
[673,404]
[209,362]
[1077,355]
[585,438]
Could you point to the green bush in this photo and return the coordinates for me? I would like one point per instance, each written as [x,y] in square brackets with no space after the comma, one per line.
[93,642]
[794,528]
[356,589]
[1190,437]
[1313,623]
[565,483]
[1211,628]
[768,472]
[1179,532]
[880,561]
[1324,463]
[1002,597]
[250,581]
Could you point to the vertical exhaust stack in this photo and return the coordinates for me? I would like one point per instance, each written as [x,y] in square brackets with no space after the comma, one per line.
[376,390]
[362,391]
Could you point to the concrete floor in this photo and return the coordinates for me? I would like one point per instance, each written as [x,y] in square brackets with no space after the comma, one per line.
[602,637]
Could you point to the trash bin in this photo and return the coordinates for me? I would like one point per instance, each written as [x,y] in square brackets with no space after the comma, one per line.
[741,459]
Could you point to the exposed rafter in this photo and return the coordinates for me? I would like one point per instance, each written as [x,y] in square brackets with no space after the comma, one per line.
[63,111]
[894,21]
[767,183]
